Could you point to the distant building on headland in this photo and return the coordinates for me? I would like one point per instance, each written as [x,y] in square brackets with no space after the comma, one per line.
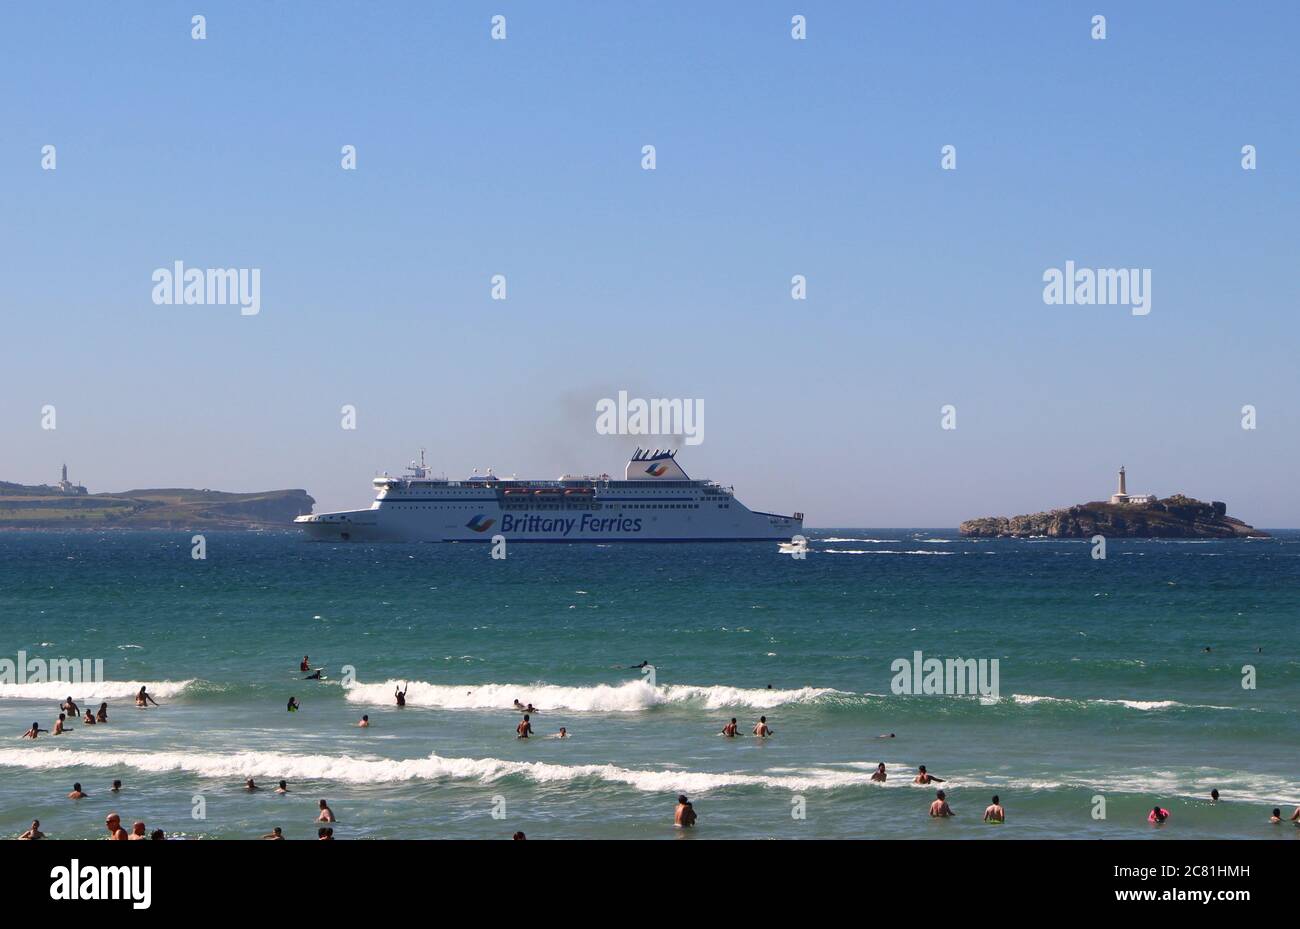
[1123,496]
[67,487]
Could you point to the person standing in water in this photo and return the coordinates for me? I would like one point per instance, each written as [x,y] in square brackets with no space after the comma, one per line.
[925,777]
[684,816]
[275,835]
[306,664]
[994,813]
[59,728]
[283,788]
[940,807]
[524,729]
[365,722]
[102,715]
[77,793]
[116,833]
[293,705]
[70,707]
[761,728]
[34,832]
[729,730]
[142,699]
[326,814]
[89,718]
[401,694]
[34,731]
[879,774]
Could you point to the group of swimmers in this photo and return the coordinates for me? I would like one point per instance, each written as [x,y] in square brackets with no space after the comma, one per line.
[69,711]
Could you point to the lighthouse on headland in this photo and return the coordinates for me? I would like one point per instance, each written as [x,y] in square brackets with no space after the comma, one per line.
[1123,496]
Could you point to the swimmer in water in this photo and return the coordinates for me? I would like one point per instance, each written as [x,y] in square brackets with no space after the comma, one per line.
[143,699]
[925,777]
[1158,816]
[879,774]
[563,733]
[519,706]
[70,707]
[59,728]
[1276,818]
[1214,795]
[761,728]
[365,722]
[524,729]
[315,675]
[325,834]
[89,718]
[518,837]
[400,695]
[77,793]
[306,664]
[530,709]
[33,833]
[283,788]
[994,813]
[326,814]
[250,785]
[34,732]
[293,705]
[157,836]
[117,787]
[889,736]
[102,715]
[637,667]
[684,816]
[940,808]
[275,835]
[1295,817]
[729,730]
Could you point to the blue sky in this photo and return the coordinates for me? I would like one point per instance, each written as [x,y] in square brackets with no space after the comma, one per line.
[775,157]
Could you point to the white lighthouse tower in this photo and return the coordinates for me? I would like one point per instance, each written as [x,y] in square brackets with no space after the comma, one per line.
[1123,496]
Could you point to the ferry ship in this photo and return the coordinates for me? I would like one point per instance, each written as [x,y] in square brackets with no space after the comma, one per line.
[655,502]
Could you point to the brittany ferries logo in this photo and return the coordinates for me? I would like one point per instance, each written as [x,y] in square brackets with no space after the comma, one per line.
[481,523]
[657,470]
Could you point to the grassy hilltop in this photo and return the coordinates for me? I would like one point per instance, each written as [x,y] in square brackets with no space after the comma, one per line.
[24,506]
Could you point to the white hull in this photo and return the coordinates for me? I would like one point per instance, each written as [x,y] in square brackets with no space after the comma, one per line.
[663,506]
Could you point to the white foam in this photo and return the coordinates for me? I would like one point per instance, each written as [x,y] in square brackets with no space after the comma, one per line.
[628,697]
[272,766]
[87,690]
[877,551]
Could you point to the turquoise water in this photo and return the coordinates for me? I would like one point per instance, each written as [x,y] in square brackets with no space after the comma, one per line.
[1105,689]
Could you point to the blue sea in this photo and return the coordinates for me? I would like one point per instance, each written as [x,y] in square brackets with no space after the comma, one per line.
[1108,701]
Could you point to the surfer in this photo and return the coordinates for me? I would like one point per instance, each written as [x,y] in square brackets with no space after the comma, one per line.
[401,694]
[994,813]
[275,835]
[33,833]
[315,675]
[33,732]
[729,730]
[925,777]
[684,816]
[142,699]
[365,722]
[306,664]
[524,729]
[879,774]
[293,705]
[940,807]
[102,715]
[77,793]
[326,814]
[761,728]
[638,667]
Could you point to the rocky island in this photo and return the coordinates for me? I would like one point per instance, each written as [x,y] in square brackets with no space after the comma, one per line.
[70,506]
[1141,516]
